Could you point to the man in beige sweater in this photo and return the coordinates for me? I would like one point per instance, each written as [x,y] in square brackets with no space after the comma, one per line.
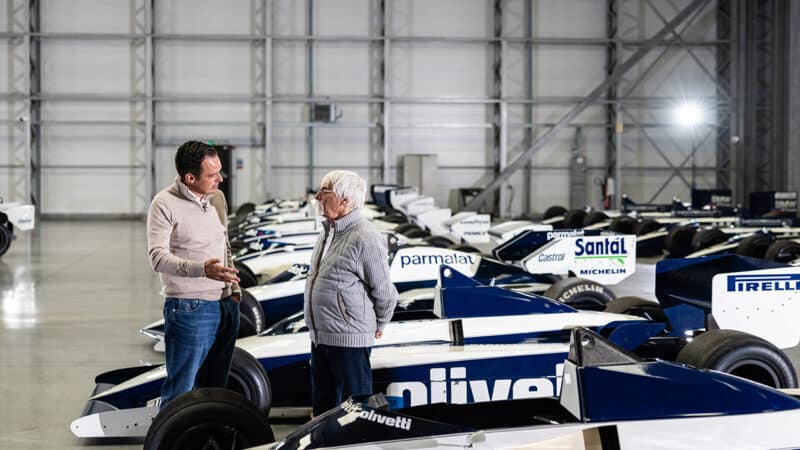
[187,243]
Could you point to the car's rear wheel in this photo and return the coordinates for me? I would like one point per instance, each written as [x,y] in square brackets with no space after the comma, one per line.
[636,306]
[783,250]
[647,226]
[5,239]
[209,418]
[678,241]
[554,211]
[464,248]
[708,237]
[754,246]
[594,217]
[251,308]
[438,241]
[580,293]
[574,218]
[248,378]
[623,225]
[246,276]
[740,354]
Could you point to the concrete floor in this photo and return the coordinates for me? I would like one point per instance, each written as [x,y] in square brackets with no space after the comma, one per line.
[72,297]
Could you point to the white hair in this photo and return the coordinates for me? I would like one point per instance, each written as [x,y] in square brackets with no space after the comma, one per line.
[347,185]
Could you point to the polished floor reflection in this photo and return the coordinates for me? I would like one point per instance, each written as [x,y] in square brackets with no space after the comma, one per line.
[72,296]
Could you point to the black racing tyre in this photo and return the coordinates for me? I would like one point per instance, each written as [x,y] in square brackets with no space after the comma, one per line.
[402,229]
[574,218]
[623,225]
[246,276]
[580,293]
[5,239]
[554,211]
[464,248]
[647,226]
[678,241]
[637,306]
[755,245]
[208,418]
[594,217]
[438,241]
[246,327]
[248,378]
[398,218]
[417,233]
[740,354]
[251,308]
[783,250]
[708,237]
[245,209]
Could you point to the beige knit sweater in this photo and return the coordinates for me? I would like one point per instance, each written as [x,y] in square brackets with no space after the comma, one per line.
[181,236]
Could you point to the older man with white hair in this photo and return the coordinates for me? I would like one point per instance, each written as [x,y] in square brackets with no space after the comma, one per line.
[349,297]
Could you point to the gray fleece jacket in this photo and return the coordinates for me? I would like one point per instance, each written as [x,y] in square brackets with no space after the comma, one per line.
[348,293]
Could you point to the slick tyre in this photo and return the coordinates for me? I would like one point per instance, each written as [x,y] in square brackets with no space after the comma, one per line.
[679,241]
[636,306]
[246,327]
[251,308]
[574,218]
[754,246]
[249,379]
[244,209]
[438,241]
[246,276]
[554,211]
[594,217]
[5,239]
[464,248]
[708,237]
[417,233]
[208,418]
[740,354]
[406,227]
[783,250]
[580,294]
[647,226]
[623,225]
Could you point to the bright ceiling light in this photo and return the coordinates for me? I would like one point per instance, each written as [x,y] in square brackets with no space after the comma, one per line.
[688,114]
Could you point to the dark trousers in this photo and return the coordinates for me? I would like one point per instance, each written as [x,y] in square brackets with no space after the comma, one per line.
[199,338]
[338,373]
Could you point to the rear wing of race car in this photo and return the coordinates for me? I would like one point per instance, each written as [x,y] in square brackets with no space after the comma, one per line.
[753,295]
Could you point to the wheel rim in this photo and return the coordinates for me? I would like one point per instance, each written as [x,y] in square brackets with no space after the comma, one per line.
[210,436]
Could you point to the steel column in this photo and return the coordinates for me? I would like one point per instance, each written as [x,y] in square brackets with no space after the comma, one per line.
[545,138]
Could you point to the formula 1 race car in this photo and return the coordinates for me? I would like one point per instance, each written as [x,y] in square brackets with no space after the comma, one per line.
[525,339]
[13,214]
[597,258]
[607,399]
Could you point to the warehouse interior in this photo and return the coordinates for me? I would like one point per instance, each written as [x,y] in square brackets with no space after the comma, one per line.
[503,107]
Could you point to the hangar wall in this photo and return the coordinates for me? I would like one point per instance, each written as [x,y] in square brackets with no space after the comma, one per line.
[122,83]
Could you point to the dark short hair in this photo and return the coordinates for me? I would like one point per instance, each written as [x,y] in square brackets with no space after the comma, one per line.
[189,157]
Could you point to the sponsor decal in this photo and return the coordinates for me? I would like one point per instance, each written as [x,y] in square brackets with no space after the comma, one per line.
[578,289]
[417,260]
[608,248]
[615,271]
[457,387]
[559,234]
[553,257]
[403,423]
[764,283]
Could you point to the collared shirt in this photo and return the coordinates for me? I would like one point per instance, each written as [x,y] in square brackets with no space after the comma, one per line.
[202,201]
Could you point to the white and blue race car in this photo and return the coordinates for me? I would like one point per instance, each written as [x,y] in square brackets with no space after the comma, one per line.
[597,258]
[516,352]
[607,399]
[14,214]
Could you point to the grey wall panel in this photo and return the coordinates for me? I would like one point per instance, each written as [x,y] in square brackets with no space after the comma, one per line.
[289,68]
[465,18]
[197,68]
[84,16]
[86,66]
[97,192]
[569,19]
[203,17]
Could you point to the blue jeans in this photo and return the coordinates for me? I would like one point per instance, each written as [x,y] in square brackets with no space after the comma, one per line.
[199,338]
[338,373]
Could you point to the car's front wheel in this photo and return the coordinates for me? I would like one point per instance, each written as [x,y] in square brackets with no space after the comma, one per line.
[740,354]
[209,418]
